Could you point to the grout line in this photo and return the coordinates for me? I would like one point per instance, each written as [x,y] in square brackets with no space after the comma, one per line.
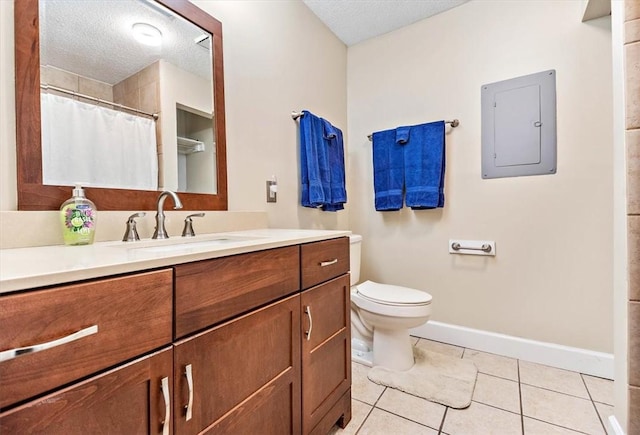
[558,392]
[593,403]
[557,425]
[520,396]
[442,422]
[404,417]
[365,417]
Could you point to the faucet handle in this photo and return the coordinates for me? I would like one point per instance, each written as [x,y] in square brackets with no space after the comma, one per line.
[131,233]
[188,225]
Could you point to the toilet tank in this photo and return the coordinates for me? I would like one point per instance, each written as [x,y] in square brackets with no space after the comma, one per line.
[355,242]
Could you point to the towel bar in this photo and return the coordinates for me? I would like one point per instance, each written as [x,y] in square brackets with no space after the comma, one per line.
[454,123]
[484,248]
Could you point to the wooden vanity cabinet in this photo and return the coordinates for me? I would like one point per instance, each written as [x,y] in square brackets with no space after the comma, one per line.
[232,345]
[242,377]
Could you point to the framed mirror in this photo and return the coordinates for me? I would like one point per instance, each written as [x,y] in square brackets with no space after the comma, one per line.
[189,135]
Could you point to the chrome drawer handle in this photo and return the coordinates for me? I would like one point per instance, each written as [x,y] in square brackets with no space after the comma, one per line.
[328,263]
[307,311]
[189,406]
[167,406]
[6,355]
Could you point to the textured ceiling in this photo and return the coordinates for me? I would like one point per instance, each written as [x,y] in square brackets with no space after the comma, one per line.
[93,38]
[354,21]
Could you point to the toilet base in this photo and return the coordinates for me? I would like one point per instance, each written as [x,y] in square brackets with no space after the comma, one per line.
[361,352]
[393,349]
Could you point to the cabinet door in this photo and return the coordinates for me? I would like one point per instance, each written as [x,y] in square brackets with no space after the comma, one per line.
[326,352]
[127,400]
[242,377]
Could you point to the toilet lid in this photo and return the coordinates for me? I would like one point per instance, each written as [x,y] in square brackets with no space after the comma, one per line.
[392,295]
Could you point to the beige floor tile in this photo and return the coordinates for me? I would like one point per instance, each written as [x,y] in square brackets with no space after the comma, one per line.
[601,390]
[359,412]
[495,365]
[479,419]
[361,387]
[605,411]
[537,427]
[551,378]
[498,392]
[443,348]
[412,407]
[560,409]
[382,422]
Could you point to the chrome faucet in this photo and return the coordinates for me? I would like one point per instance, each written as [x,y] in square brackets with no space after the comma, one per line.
[161,232]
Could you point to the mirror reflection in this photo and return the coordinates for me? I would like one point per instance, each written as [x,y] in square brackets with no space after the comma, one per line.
[126,97]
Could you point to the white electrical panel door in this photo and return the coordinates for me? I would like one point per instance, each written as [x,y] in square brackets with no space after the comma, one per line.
[519,126]
[517,111]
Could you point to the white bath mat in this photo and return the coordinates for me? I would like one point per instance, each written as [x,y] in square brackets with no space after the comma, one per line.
[435,377]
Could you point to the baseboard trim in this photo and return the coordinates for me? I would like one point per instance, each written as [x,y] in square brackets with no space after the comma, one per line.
[614,426]
[565,357]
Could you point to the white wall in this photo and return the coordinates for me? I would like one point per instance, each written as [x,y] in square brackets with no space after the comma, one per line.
[552,277]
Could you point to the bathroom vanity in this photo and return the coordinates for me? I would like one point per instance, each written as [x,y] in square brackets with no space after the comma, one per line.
[247,333]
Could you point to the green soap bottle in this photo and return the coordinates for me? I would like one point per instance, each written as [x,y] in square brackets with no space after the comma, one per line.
[78,219]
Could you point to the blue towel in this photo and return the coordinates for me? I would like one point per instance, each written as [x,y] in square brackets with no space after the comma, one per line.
[410,161]
[335,153]
[424,163]
[388,171]
[314,168]
[321,164]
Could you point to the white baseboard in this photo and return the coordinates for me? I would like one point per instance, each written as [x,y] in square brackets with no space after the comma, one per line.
[569,358]
[614,426]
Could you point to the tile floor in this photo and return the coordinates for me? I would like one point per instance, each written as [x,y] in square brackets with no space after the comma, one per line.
[510,397]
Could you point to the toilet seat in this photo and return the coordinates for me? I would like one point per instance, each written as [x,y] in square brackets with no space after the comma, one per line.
[392,295]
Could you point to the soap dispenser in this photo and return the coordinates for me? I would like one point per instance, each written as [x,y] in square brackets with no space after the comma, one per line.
[78,218]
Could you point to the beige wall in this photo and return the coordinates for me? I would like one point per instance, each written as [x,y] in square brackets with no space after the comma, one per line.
[278,57]
[552,277]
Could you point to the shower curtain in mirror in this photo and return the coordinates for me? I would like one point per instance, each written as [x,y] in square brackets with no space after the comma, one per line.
[96,146]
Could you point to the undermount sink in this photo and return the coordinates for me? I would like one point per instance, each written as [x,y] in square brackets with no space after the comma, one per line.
[186,245]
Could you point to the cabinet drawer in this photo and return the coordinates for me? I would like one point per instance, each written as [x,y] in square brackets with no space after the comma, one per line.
[324,260]
[122,317]
[208,292]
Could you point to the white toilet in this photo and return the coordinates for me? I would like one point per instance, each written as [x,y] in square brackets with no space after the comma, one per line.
[381,316]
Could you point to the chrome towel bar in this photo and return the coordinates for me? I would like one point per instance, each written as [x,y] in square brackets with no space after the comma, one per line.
[454,123]
[484,248]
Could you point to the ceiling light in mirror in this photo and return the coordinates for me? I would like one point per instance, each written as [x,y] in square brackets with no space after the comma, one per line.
[147,34]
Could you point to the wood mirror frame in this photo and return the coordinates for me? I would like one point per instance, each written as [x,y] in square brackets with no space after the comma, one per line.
[32,194]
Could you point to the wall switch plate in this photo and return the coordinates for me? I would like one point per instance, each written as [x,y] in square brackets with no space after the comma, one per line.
[272,191]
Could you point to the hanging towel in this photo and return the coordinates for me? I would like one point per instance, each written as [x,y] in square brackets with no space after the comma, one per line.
[321,164]
[335,153]
[314,166]
[424,163]
[388,170]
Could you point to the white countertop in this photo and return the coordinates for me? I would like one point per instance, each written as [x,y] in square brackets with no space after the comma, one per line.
[24,268]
